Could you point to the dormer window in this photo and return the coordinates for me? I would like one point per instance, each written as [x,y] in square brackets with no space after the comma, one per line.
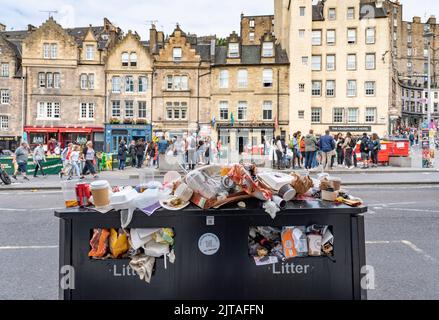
[177,54]
[133,59]
[268,49]
[233,50]
[125,59]
[90,52]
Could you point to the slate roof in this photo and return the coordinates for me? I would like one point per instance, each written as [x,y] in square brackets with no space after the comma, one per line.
[250,55]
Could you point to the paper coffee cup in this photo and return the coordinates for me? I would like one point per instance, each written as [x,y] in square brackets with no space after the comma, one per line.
[281,203]
[287,192]
[101,193]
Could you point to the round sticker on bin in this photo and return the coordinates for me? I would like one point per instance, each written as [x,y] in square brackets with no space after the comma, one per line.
[209,244]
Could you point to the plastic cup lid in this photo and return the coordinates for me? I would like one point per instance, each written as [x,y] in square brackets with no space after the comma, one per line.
[101,184]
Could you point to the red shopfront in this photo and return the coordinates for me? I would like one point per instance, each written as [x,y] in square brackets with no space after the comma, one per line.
[64,135]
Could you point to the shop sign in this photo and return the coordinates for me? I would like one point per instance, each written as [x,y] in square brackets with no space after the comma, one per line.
[7,138]
[209,244]
[350,128]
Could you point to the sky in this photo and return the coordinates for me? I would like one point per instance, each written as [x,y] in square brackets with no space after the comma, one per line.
[204,17]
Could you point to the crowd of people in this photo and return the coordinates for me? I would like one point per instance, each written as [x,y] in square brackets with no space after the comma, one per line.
[327,151]
[189,149]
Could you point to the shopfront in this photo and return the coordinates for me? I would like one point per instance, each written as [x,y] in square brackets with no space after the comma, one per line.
[64,135]
[9,143]
[115,133]
[245,139]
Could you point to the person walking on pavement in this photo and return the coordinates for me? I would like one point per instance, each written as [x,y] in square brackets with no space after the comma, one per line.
[75,162]
[140,153]
[163,146]
[191,150]
[340,150]
[375,149]
[122,155]
[39,156]
[348,147]
[89,157]
[151,154]
[327,147]
[365,151]
[20,157]
[279,152]
[132,153]
[310,149]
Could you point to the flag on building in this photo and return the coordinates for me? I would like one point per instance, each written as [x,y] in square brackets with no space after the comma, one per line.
[232,119]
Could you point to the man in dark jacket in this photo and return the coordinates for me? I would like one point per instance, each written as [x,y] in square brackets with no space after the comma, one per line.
[122,155]
[327,146]
[140,153]
[132,153]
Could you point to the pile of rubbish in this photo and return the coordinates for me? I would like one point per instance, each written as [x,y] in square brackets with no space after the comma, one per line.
[211,187]
[141,246]
[270,245]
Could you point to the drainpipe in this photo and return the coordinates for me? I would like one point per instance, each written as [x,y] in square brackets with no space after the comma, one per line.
[23,106]
[278,97]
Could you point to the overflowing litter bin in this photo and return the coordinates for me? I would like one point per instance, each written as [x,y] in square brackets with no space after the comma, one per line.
[212,256]
[219,232]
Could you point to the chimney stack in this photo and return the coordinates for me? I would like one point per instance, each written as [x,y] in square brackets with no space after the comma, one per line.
[432,19]
[153,39]
[416,19]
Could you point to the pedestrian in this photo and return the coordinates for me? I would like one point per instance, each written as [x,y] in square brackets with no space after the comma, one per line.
[88,155]
[201,150]
[208,150]
[163,146]
[279,152]
[296,151]
[348,148]
[67,167]
[75,162]
[39,156]
[376,147]
[140,153]
[327,146]
[302,148]
[191,143]
[151,154]
[21,156]
[132,153]
[122,155]
[310,149]
[365,151]
[412,138]
[340,150]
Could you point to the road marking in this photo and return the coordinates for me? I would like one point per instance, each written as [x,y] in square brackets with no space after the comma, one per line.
[409,244]
[411,210]
[27,247]
[28,210]
[390,204]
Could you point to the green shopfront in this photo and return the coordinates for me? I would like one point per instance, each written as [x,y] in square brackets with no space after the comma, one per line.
[115,133]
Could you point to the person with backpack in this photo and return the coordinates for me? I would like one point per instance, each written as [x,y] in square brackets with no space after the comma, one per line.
[365,150]
[132,153]
[375,149]
[311,146]
[122,155]
[191,143]
[140,153]
[348,147]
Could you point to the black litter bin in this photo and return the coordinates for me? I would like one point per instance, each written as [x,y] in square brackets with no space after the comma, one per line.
[225,270]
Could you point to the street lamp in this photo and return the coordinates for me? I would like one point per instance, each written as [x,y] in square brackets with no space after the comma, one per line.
[429,36]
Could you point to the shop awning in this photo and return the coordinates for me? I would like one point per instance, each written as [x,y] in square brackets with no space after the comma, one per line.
[40,130]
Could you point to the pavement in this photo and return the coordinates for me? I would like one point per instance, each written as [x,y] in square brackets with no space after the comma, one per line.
[402,244]
[376,176]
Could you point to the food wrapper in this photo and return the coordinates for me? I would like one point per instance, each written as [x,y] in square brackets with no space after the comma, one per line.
[301,184]
[99,243]
[240,176]
[164,236]
[294,242]
[118,243]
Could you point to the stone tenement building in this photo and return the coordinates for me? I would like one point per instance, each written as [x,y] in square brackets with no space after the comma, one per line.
[181,89]
[253,28]
[64,89]
[250,93]
[11,93]
[340,72]
[128,73]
